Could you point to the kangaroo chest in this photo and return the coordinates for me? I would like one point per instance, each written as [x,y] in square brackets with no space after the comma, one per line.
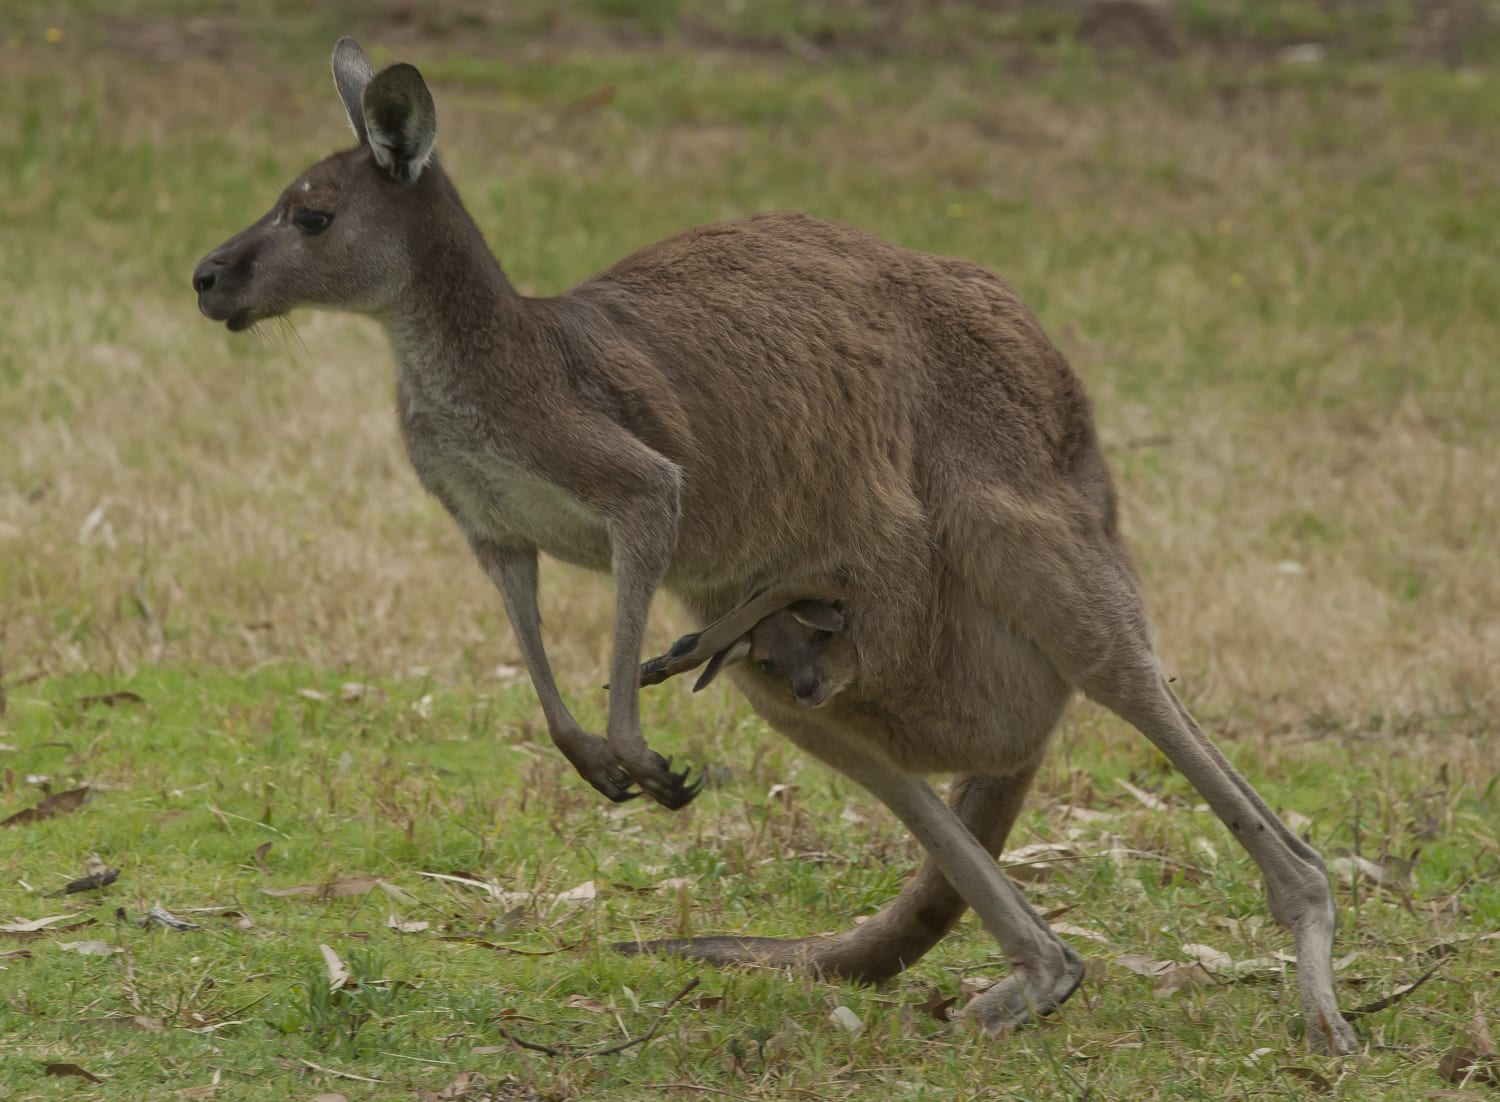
[463,462]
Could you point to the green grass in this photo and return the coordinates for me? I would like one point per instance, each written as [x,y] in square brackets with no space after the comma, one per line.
[1276,279]
[211,766]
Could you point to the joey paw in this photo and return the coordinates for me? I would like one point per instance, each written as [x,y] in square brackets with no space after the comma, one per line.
[687,643]
[679,658]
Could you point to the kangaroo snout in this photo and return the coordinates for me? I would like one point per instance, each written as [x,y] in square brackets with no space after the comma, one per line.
[213,280]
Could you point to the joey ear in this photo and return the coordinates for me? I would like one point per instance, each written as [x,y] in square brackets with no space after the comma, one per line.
[731,654]
[351,72]
[818,615]
[400,121]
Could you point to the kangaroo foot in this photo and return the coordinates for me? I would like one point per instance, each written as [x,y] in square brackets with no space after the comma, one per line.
[1329,1033]
[590,756]
[1024,996]
[664,785]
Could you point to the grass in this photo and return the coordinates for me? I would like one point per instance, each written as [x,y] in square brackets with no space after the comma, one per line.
[1275,280]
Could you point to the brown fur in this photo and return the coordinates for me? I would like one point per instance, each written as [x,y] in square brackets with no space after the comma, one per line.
[759,407]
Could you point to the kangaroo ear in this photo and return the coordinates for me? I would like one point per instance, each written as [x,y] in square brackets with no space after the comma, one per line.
[818,615]
[731,654]
[400,121]
[351,72]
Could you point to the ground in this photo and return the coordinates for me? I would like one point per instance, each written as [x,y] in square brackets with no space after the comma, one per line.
[1262,233]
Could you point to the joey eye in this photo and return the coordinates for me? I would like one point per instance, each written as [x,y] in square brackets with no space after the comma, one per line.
[822,636]
[764,666]
[311,222]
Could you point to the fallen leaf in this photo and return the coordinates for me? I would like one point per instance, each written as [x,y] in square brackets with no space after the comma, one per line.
[399,926]
[1395,996]
[1451,946]
[481,943]
[313,694]
[1208,956]
[459,1088]
[845,1017]
[16,954]
[1391,872]
[71,1069]
[88,948]
[330,1096]
[1169,976]
[331,1071]
[332,889]
[260,857]
[468,880]
[57,804]
[1143,965]
[35,924]
[583,1002]
[208,1090]
[1479,1034]
[351,691]
[1080,931]
[338,975]
[142,1022]
[111,700]
[160,916]
[1146,799]
[1463,1065]
[1086,814]
[1034,862]
[90,883]
[937,1007]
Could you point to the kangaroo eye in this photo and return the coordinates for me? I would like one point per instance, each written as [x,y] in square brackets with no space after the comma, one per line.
[764,666]
[822,636]
[311,222]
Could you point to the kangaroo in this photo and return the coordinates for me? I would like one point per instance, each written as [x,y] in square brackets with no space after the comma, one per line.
[802,645]
[916,436]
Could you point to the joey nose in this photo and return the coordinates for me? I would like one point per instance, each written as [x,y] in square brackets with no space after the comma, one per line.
[808,691]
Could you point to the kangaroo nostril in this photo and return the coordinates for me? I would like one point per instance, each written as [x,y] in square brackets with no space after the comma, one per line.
[203,281]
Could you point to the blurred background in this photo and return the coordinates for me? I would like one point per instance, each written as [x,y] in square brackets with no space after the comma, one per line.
[1262,230]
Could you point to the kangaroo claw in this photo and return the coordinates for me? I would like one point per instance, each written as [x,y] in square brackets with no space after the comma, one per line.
[669,788]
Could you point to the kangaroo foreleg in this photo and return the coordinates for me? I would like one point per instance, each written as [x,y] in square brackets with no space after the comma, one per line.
[513,569]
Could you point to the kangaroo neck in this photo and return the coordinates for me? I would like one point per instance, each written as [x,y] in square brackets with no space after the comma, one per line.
[458,312]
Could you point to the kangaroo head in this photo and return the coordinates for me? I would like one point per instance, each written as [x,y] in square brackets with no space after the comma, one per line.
[803,645]
[338,237]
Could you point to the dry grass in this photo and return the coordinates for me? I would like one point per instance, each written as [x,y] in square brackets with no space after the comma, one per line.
[1307,456]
